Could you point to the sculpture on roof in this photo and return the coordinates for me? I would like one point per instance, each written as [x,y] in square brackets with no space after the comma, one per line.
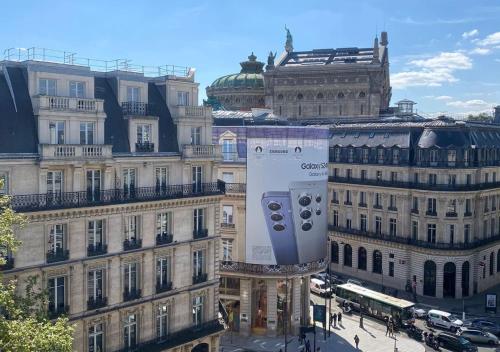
[289,41]
[270,59]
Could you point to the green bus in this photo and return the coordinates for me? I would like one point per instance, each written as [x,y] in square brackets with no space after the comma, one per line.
[374,303]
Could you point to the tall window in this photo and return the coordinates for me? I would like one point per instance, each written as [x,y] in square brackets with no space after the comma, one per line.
[130,331]
[195,135]
[56,131]
[47,86]
[380,155]
[379,175]
[183,98]
[431,205]
[130,280]
[227,249]
[129,181]
[362,222]
[392,202]
[378,225]
[364,155]
[144,134]
[95,285]
[347,255]
[364,173]
[229,149]
[348,221]
[197,178]
[452,206]
[391,269]
[163,272]
[54,182]
[378,200]
[198,263]
[466,233]
[95,234]
[431,233]
[198,219]
[198,310]
[227,214]
[161,174]
[433,156]
[394,176]
[335,197]
[57,238]
[415,203]
[163,223]
[432,179]
[335,218]
[96,338]
[334,252]
[77,89]
[395,156]
[348,199]
[452,180]
[414,230]
[93,185]
[392,227]
[452,157]
[132,223]
[377,262]
[162,322]
[361,258]
[362,198]
[451,233]
[468,207]
[133,94]
[57,298]
[87,132]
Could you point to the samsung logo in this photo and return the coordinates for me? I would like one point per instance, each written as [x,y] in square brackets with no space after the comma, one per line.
[278,151]
[313,166]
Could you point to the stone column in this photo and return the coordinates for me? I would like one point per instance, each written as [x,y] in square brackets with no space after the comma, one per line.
[272,314]
[439,280]
[245,306]
[458,280]
[296,305]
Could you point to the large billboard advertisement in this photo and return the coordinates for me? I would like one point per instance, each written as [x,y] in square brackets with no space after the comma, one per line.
[286,203]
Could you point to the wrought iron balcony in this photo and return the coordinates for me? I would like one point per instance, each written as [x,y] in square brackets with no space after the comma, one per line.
[66,200]
[415,242]
[58,256]
[9,263]
[198,279]
[144,147]
[56,103]
[131,295]
[98,249]
[74,151]
[56,311]
[136,108]
[200,233]
[272,270]
[194,151]
[163,287]
[180,337]
[164,238]
[235,187]
[97,302]
[128,245]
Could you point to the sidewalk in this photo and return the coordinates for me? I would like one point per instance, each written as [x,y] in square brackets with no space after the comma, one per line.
[372,339]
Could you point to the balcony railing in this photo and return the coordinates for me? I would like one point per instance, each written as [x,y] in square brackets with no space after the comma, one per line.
[196,151]
[200,233]
[131,295]
[164,238]
[65,200]
[235,187]
[227,226]
[198,279]
[198,112]
[128,245]
[181,337]
[55,312]
[97,302]
[144,147]
[98,249]
[55,103]
[415,185]
[136,108]
[163,287]
[58,256]
[74,151]
[415,242]
[272,270]
[8,264]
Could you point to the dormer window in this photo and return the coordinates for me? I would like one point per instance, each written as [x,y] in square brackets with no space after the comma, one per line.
[183,98]
[395,156]
[77,89]
[47,86]
[433,156]
[452,157]
[143,134]
[133,94]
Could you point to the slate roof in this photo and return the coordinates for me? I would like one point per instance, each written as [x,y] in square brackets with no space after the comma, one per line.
[339,56]
[368,139]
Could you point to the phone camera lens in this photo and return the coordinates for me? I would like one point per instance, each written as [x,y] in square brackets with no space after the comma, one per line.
[304,200]
[318,212]
[278,227]
[305,213]
[318,199]
[307,225]
[274,206]
[276,216]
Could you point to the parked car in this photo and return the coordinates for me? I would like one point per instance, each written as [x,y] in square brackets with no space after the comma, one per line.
[323,276]
[485,325]
[455,343]
[319,287]
[355,282]
[419,312]
[443,320]
[476,335]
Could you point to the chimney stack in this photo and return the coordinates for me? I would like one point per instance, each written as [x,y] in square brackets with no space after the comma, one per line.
[383,39]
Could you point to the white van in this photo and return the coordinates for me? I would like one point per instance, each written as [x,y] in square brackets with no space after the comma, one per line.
[443,320]
[319,287]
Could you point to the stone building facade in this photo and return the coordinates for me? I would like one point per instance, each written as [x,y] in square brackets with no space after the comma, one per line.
[116,173]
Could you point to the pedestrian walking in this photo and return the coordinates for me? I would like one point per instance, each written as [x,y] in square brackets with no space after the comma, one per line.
[339,317]
[331,319]
[387,326]
[335,319]
[308,346]
[356,341]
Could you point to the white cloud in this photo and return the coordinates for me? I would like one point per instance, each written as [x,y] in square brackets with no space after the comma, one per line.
[492,39]
[476,104]
[443,97]
[470,34]
[433,71]
[480,51]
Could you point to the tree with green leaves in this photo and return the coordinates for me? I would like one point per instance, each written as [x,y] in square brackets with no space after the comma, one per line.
[24,323]
[481,117]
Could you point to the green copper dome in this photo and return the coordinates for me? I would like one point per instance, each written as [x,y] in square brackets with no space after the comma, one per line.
[250,76]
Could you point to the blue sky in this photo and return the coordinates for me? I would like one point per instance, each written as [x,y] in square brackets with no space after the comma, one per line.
[444,54]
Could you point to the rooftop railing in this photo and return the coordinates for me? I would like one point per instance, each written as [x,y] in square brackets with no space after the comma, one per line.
[71,151]
[65,200]
[137,108]
[210,151]
[71,58]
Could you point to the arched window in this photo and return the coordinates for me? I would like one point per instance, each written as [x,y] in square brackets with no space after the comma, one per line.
[334,254]
[348,255]
[319,96]
[492,262]
[300,96]
[465,278]
[498,261]
[449,278]
[362,258]
[430,278]
[377,262]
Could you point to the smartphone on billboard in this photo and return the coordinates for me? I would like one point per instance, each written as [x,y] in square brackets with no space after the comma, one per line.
[309,206]
[279,220]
